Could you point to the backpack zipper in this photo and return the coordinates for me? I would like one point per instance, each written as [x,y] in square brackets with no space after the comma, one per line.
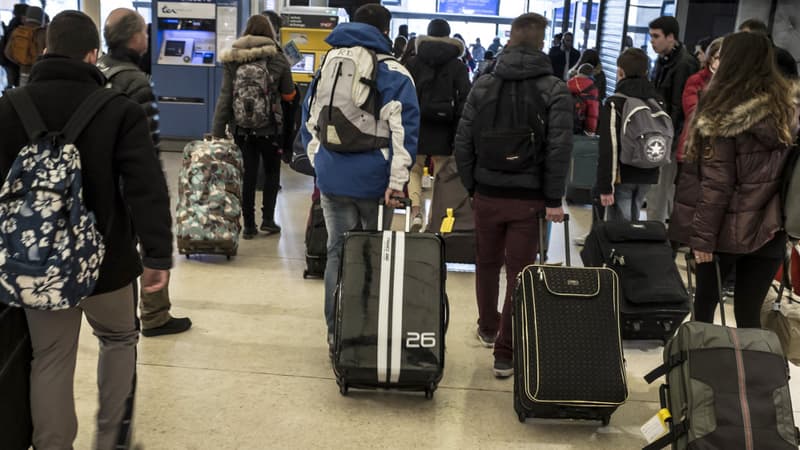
[333,90]
[748,426]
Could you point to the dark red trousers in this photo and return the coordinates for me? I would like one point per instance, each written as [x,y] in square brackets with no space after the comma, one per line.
[506,233]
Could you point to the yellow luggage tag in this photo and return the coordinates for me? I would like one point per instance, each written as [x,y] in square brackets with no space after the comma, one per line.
[448,222]
[656,426]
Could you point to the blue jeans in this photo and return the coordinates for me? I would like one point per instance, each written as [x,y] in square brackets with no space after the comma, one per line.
[628,201]
[342,214]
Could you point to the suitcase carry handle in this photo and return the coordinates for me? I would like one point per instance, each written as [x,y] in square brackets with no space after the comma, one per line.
[406,204]
[691,265]
[543,238]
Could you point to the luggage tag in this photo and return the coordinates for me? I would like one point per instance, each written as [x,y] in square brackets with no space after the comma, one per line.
[657,426]
[448,222]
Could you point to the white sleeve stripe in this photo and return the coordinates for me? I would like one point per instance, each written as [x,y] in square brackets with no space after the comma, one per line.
[614,149]
[392,112]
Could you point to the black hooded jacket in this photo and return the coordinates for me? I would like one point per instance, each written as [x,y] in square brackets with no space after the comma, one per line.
[437,64]
[546,181]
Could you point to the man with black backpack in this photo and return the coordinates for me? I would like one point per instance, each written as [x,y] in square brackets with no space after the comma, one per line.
[366,161]
[513,150]
[79,205]
[126,36]
[442,87]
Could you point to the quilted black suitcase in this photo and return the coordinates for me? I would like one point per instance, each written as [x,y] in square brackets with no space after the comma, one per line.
[391,311]
[15,369]
[568,360]
[654,300]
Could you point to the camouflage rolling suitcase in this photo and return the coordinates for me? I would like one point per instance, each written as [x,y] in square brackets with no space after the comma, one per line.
[209,198]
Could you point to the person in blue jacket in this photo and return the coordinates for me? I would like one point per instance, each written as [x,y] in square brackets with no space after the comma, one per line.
[353,183]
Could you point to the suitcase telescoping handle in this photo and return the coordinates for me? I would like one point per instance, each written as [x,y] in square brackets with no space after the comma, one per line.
[691,271]
[543,238]
[406,204]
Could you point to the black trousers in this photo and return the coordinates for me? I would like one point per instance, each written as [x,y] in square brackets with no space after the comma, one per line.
[262,149]
[755,274]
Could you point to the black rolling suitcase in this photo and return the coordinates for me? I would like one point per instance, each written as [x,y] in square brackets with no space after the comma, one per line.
[316,240]
[568,360]
[15,370]
[391,311]
[654,301]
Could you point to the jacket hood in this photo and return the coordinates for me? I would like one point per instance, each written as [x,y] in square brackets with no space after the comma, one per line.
[638,87]
[353,34]
[751,116]
[520,63]
[437,51]
[250,48]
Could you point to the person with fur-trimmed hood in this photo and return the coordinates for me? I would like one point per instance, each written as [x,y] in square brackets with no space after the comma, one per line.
[257,43]
[728,201]
[442,85]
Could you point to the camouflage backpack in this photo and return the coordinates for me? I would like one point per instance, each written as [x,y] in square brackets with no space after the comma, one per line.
[255,103]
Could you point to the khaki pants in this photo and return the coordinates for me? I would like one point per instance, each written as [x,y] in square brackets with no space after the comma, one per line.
[155,308]
[415,178]
[54,336]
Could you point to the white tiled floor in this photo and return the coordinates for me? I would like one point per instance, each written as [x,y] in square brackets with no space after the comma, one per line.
[253,372]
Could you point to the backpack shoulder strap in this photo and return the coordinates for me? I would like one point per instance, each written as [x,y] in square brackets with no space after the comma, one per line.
[22,103]
[111,72]
[86,112]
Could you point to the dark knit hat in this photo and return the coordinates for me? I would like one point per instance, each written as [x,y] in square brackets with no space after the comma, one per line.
[439,28]
[34,13]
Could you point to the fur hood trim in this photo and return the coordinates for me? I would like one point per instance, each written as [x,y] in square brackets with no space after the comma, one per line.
[743,117]
[250,48]
[447,40]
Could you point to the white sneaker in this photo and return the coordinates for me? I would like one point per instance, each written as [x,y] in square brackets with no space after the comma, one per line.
[416,224]
[580,241]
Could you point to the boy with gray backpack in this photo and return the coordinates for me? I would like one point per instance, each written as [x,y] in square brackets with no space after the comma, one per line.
[635,139]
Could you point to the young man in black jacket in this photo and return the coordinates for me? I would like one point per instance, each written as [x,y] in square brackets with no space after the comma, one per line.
[442,85]
[784,59]
[126,36]
[115,149]
[507,203]
[674,67]
[622,188]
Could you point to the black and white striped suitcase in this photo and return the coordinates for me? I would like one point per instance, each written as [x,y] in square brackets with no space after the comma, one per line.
[568,360]
[391,311]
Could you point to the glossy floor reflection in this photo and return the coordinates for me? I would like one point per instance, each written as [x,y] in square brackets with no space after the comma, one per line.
[253,372]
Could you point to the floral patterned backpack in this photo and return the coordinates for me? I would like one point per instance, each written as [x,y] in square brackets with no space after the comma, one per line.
[50,248]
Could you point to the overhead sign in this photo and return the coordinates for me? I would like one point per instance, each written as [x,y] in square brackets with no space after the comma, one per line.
[187,10]
[470,7]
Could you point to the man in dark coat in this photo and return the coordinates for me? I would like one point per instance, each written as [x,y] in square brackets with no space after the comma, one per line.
[564,57]
[115,150]
[785,60]
[674,67]
[126,36]
[442,84]
[522,93]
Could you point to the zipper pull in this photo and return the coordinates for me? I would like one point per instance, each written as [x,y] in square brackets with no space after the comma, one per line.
[540,271]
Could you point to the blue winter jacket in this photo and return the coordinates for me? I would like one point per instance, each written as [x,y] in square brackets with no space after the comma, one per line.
[366,175]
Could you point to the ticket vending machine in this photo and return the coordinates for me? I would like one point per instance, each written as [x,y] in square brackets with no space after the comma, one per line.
[187,39]
[303,38]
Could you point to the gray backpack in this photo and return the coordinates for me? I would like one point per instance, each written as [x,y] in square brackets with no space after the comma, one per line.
[647,133]
[255,106]
[345,101]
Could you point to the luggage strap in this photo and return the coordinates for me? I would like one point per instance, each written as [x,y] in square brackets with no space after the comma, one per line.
[673,362]
[675,432]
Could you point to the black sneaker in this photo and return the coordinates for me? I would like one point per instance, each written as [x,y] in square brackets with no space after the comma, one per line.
[503,368]
[249,232]
[270,227]
[486,340]
[174,325]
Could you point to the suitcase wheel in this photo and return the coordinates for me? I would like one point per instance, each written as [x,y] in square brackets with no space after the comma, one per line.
[187,256]
[228,257]
[606,420]
[521,416]
[305,274]
[343,388]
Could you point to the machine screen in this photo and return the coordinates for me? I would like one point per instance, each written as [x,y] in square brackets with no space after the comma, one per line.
[174,48]
[306,65]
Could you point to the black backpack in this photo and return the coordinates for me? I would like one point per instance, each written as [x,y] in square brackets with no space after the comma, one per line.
[436,94]
[510,128]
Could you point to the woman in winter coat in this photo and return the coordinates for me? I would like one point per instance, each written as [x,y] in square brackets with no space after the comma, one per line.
[582,86]
[694,85]
[254,50]
[592,57]
[728,202]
